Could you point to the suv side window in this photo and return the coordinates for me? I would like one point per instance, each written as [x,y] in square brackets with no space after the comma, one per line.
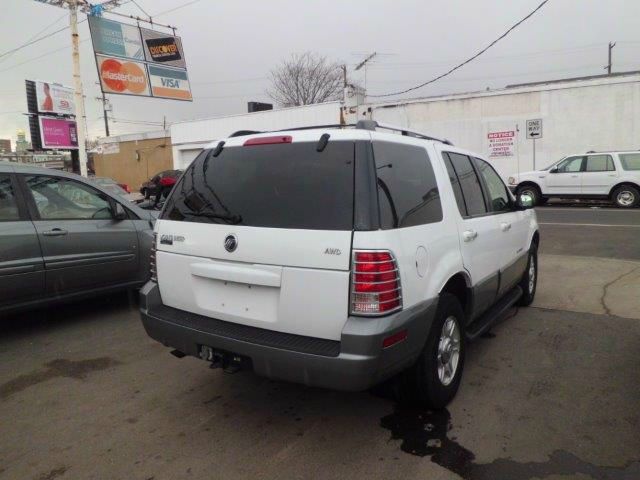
[630,161]
[408,194]
[58,198]
[8,204]
[600,163]
[570,165]
[455,183]
[499,199]
[470,183]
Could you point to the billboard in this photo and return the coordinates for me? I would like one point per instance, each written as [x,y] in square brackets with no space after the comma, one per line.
[169,83]
[138,61]
[163,48]
[122,76]
[54,98]
[58,133]
[115,38]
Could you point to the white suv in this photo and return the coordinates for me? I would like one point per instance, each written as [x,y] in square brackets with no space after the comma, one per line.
[338,257]
[612,176]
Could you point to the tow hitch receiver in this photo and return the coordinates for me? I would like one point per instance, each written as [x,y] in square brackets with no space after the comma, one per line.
[229,362]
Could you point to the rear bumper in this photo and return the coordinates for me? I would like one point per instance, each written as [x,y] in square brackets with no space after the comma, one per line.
[355,363]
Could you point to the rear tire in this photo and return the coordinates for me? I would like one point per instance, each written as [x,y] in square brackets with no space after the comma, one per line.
[434,380]
[532,191]
[626,196]
[529,282]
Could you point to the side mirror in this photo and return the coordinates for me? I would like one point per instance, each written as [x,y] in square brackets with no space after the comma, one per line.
[524,201]
[119,213]
[554,170]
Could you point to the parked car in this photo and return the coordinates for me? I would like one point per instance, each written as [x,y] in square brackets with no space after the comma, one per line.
[339,258]
[62,237]
[159,181]
[115,188]
[611,176]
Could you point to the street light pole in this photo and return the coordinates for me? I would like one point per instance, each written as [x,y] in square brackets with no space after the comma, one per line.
[77,82]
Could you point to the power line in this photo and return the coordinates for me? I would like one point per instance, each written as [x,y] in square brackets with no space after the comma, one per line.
[33,41]
[66,47]
[460,65]
[35,35]
[141,9]
[176,8]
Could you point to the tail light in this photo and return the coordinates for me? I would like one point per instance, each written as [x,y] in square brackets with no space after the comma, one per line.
[125,187]
[375,283]
[152,260]
[167,181]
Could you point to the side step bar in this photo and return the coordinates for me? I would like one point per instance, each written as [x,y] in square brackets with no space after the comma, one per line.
[491,316]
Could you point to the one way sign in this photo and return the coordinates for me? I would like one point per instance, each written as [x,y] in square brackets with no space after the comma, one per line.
[534,128]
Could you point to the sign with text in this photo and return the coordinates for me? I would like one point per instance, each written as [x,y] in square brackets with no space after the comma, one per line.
[534,128]
[122,76]
[54,98]
[115,38]
[169,83]
[163,48]
[59,133]
[501,144]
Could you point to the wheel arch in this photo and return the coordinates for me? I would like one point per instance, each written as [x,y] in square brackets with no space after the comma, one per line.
[459,285]
[529,183]
[621,184]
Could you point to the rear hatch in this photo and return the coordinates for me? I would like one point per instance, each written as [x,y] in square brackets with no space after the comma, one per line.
[261,235]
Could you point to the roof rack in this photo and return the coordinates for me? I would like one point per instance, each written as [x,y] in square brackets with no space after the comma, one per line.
[371,125]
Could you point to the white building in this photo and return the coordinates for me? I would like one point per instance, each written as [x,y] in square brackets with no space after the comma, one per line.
[578,115]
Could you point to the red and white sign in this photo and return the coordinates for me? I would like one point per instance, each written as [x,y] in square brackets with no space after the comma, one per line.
[501,144]
[124,77]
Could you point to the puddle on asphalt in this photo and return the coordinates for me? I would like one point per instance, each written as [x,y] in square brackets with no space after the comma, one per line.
[427,433]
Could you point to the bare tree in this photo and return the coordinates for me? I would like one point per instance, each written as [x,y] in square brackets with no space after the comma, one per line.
[304,79]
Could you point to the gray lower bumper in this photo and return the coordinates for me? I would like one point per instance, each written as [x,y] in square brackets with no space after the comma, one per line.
[355,363]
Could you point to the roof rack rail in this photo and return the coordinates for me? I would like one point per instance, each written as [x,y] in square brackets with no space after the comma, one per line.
[373,125]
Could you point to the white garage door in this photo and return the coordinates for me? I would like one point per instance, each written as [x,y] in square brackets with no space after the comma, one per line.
[185,157]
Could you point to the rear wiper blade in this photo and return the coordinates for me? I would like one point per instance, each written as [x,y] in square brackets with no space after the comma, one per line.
[231,219]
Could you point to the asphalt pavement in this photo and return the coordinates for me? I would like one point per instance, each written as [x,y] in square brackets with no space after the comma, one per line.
[552,392]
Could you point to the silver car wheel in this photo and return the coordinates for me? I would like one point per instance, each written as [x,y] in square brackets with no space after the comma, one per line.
[625,198]
[448,351]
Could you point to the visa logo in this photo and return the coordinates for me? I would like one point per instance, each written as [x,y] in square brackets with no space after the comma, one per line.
[170,82]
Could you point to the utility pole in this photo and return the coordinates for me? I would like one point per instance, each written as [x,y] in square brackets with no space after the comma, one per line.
[77,83]
[609,65]
[364,64]
[105,109]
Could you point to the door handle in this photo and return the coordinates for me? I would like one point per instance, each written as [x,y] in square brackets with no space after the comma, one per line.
[469,235]
[55,232]
[505,227]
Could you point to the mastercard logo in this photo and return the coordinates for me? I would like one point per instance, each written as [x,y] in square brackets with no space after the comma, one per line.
[123,76]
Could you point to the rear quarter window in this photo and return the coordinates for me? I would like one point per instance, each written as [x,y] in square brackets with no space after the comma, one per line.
[277,186]
[630,161]
[408,193]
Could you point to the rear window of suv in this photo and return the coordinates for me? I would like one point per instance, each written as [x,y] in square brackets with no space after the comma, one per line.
[276,186]
[630,161]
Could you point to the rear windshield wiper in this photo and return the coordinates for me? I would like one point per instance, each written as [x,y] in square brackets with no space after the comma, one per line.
[230,219]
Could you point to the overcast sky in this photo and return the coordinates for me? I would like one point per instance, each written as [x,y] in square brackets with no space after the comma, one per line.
[231,45]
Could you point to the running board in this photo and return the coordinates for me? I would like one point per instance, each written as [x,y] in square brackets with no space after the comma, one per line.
[491,316]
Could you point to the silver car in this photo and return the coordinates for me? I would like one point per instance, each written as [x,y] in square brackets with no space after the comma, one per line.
[63,237]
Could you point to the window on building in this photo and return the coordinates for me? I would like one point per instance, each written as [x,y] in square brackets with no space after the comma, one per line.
[407,190]
[470,183]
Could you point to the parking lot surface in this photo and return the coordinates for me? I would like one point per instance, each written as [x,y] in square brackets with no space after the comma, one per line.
[551,392]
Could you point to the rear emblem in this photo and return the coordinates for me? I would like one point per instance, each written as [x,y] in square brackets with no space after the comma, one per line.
[230,243]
